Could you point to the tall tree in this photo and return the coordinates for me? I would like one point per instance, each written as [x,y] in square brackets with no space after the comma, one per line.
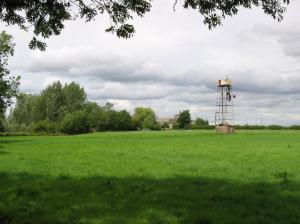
[75,97]
[124,120]
[184,120]
[47,17]
[144,118]
[53,100]
[95,115]
[201,122]
[24,109]
[52,104]
[8,85]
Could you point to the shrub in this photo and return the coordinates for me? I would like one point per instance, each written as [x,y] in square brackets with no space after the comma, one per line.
[164,126]
[202,127]
[75,123]
[45,126]
[275,127]
[250,127]
[201,122]
[17,128]
[295,127]
[207,127]
[2,128]
[150,123]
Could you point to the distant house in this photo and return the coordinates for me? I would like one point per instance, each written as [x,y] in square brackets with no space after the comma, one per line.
[168,122]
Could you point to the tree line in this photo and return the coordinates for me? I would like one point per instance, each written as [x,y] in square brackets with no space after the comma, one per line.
[65,108]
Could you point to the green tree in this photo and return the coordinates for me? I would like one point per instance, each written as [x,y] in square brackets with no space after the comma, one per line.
[75,123]
[144,118]
[24,109]
[124,120]
[74,97]
[45,126]
[8,85]
[53,100]
[184,120]
[45,111]
[108,106]
[94,114]
[47,17]
[107,118]
[56,100]
[150,123]
[201,122]
[39,108]
[112,120]
[164,126]
[28,114]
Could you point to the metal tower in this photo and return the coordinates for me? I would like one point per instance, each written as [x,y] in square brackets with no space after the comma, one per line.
[224,116]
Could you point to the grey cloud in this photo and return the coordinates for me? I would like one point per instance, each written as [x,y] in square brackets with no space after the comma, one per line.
[293,49]
[288,37]
[171,66]
[115,68]
[287,34]
[274,83]
[132,92]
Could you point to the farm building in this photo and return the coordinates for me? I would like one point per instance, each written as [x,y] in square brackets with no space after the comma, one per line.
[169,122]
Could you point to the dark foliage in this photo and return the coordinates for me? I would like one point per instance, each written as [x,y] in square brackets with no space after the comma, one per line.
[8,85]
[45,126]
[47,17]
[64,106]
[75,123]
[202,127]
[216,10]
[201,122]
[270,127]
[275,127]
[295,127]
[184,120]
[250,127]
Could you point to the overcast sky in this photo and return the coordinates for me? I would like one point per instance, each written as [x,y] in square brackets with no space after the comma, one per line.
[173,61]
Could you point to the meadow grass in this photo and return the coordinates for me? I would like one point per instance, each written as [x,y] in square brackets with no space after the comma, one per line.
[151,177]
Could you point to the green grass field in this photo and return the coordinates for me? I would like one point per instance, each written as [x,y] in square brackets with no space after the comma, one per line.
[192,177]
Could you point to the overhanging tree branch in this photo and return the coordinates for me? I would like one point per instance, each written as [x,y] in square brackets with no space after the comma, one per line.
[47,17]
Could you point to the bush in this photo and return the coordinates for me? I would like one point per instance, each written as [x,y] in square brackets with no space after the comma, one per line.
[17,128]
[2,128]
[164,126]
[149,123]
[275,127]
[202,127]
[250,127]
[207,127]
[45,126]
[295,127]
[75,123]
[201,122]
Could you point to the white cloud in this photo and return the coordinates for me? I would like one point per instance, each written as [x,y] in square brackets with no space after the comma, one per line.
[173,62]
